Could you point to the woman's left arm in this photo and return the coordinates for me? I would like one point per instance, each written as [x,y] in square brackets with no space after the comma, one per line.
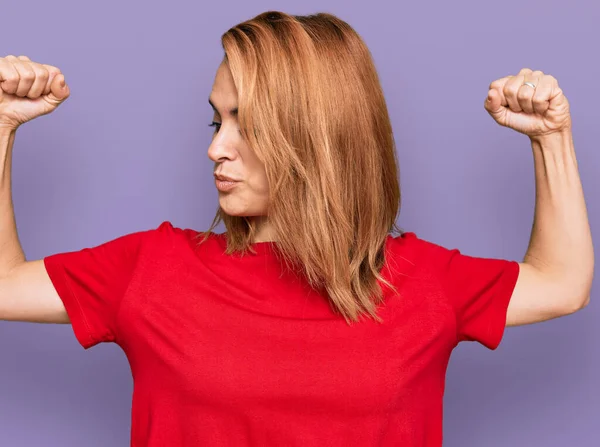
[556,274]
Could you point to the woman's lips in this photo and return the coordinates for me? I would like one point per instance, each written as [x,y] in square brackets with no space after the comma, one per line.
[225,185]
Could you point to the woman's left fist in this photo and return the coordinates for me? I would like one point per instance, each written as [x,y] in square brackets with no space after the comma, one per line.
[533,111]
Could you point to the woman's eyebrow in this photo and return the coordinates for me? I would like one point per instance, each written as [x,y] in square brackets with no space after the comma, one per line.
[233,112]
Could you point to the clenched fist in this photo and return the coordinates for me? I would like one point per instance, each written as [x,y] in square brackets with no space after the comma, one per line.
[28,90]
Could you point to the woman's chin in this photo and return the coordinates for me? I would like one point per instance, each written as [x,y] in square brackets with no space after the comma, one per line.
[232,211]
[232,207]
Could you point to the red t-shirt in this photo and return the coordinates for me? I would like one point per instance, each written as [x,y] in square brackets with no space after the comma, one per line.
[225,351]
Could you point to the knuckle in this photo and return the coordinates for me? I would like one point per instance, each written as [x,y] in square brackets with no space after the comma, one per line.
[41,71]
[12,78]
[51,69]
[28,75]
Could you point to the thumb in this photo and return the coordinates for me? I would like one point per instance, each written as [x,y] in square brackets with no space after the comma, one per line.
[493,102]
[59,90]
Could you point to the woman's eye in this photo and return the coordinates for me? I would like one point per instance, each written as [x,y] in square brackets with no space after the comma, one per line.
[216,125]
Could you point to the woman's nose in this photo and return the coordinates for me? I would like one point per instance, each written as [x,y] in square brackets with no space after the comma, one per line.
[222,146]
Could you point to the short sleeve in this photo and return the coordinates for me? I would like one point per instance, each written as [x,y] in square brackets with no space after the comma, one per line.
[479,291]
[92,282]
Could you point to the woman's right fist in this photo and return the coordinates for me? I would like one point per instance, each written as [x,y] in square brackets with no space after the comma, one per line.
[28,90]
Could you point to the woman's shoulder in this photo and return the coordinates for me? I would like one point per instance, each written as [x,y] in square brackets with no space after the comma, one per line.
[410,243]
[169,234]
[410,249]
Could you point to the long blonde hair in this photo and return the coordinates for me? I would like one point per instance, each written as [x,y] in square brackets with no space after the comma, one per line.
[312,108]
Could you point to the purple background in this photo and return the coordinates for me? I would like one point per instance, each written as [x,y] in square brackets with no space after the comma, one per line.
[128,150]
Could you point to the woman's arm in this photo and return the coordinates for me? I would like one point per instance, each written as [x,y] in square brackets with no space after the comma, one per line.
[556,273]
[26,292]
[11,252]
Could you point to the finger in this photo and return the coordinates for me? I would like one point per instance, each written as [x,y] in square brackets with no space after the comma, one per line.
[9,77]
[525,71]
[59,90]
[526,92]
[493,102]
[510,91]
[498,85]
[41,79]
[525,97]
[52,72]
[543,94]
[26,75]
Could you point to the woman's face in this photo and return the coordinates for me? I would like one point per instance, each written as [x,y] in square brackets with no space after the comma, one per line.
[248,195]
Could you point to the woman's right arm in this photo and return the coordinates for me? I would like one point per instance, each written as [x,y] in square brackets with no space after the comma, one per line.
[26,292]
[27,90]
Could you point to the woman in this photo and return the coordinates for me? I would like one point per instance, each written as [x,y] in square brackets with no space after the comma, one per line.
[307,323]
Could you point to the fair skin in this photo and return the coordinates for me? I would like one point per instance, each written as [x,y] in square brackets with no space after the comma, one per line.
[555,276]
[234,158]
